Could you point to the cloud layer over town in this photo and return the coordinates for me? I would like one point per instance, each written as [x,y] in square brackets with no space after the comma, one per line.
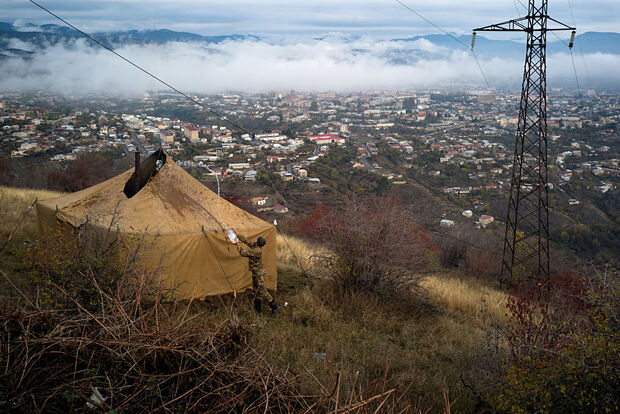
[334,62]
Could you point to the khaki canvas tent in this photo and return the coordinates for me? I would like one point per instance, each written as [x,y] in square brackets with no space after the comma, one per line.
[183,223]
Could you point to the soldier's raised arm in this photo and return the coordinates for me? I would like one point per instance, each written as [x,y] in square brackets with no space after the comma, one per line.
[242,251]
[242,239]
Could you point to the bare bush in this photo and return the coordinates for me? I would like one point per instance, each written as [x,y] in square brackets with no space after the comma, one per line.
[557,350]
[136,356]
[453,252]
[94,332]
[478,252]
[73,258]
[373,245]
[87,170]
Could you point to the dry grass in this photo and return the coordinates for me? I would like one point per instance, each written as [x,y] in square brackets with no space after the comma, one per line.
[452,292]
[14,203]
[360,336]
[291,249]
[426,347]
[468,296]
[28,195]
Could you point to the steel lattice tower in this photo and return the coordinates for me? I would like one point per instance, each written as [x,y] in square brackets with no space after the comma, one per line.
[526,242]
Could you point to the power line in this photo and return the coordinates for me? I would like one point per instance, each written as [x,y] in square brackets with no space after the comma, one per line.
[574,67]
[570,50]
[109,49]
[524,6]
[572,58]
[450,35]
[580,48]
[516,7]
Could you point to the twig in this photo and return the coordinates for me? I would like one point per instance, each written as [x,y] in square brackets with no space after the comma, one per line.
[105,328]
[17,289]
[18,224]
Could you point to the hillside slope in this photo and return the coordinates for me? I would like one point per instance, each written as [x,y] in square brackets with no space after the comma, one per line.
[422,346]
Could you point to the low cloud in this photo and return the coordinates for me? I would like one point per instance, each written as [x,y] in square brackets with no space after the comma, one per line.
[332,63]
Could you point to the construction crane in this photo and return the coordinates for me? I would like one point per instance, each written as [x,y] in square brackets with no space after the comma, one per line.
[526,240]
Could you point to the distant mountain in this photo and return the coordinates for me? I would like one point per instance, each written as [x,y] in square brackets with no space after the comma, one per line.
[52,34]
[6,27]
[590,42]
[165,36]
[595,42]
[37,38]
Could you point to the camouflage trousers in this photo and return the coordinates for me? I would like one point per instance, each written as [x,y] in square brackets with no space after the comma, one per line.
[258,282]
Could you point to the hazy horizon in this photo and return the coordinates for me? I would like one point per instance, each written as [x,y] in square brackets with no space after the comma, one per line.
[324,48]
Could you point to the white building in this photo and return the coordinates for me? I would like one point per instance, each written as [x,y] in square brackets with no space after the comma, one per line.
[446,223]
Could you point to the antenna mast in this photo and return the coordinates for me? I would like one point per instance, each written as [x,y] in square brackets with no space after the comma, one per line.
[526,241]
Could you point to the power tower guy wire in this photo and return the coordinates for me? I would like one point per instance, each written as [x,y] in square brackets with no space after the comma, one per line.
[450,35]
[109,49]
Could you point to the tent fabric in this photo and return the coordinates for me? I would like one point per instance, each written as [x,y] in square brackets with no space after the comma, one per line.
[182,222]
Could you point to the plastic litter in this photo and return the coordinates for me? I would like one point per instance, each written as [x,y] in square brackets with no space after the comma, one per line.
[232,236]
[320,355]
[96,397]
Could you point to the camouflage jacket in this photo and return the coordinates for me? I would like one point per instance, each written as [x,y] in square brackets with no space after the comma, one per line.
[254,254]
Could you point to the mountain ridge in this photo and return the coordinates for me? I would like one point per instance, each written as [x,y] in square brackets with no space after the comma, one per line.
[38,38]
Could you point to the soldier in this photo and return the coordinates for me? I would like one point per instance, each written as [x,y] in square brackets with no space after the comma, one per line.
[255,256]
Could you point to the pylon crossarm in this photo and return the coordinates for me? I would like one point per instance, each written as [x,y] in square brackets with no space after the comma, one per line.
[514,25]
[564,26]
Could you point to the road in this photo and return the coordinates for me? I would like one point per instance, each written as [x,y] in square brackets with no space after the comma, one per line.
[138,144]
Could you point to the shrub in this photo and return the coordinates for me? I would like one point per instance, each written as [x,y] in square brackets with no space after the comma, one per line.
[139,356]
[87,170]
[564,339]
[81,261]
[478,252]
[373,245]
[453,252]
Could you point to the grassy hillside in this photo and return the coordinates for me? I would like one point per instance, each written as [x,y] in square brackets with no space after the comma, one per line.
[14,203]
[421,347]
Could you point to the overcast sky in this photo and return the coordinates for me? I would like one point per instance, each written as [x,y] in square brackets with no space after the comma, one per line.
[381,18]
[301,60]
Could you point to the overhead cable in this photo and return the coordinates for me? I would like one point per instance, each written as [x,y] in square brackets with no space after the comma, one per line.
[571,51]
[450,35]
[580,48]
[517,8]
[574,66]
[109,49]
[572,58]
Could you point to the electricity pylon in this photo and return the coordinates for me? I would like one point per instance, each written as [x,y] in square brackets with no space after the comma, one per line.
[526,242]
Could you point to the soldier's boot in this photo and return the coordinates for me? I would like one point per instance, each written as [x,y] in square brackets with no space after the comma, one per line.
[257,305]
[274,308]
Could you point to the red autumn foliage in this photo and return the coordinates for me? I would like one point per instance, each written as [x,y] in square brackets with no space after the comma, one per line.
[374,245]
[542,313]
[87,170]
